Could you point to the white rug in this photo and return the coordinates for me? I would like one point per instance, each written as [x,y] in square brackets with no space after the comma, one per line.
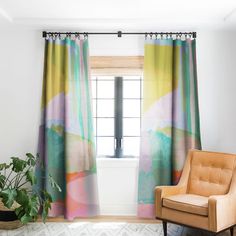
[85,229]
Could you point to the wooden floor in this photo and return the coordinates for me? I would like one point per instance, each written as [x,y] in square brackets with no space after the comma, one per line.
[173,230]
[128,219]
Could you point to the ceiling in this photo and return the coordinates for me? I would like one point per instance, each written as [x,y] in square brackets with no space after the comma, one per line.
[142,15]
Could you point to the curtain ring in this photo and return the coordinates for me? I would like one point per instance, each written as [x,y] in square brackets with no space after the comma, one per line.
[146,36]
[68,35]
[151,35]
[85,35]
[161,35]
[156,35]
[77,36]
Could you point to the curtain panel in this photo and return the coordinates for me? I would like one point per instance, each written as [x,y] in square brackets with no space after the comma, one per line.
[170,116]
[66,141]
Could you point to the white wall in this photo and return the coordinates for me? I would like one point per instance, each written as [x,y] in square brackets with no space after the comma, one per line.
[217,90]
[21,56]
[21,65]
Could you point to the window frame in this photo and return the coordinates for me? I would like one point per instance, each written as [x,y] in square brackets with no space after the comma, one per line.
[118,67]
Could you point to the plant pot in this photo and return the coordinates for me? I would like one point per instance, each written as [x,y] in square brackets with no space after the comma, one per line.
[8,218]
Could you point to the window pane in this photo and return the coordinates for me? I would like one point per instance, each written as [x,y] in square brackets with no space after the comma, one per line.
[131,146]
[105,146]
[93,84]
[105,89]
[105,108]
[94,126]
[131,89]
[131,108]
[94,107]
[105,126]
[131,126]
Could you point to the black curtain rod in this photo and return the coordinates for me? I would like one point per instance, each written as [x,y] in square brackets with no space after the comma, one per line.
[119,33]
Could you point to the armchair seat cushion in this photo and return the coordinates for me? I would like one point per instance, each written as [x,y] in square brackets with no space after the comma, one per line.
[191,203]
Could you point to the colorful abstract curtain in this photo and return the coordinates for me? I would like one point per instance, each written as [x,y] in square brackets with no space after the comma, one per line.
[170,119]
[66,142]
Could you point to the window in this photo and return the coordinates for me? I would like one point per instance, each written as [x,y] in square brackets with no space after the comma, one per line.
[117,115]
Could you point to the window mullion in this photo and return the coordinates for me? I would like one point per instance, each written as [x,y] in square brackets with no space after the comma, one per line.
[118,121]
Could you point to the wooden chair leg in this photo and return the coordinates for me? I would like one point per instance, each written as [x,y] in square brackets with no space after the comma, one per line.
[232,231]
[164,224]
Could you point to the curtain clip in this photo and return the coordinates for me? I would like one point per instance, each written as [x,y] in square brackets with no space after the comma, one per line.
[85,35]
[146,35]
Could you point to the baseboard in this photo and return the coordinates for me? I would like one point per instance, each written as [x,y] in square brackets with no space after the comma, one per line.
[105,218]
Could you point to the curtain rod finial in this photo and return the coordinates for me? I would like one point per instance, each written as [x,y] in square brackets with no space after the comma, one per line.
[44,33]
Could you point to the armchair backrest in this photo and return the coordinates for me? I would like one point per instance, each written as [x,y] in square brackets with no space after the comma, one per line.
[210,173]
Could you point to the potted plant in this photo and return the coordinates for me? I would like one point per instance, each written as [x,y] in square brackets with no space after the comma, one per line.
[21,199]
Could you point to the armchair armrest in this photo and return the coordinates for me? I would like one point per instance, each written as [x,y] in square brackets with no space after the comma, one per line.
[222,208]
[165,191]
[221,211]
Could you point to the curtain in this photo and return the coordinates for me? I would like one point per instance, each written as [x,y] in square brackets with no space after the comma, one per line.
[66,141]
[170,116]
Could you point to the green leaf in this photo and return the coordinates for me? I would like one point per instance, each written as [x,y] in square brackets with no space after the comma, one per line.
[31,162]
[31,159]
[19,210]
[4,166]
[8,197]
[46,207]
[47,196]
[46,204]
[54,183]
[29,208]
[25,219]
[33,206]
[31,177]
[18,164]
[22,197]
[2,181]
[31,156]
[44,214]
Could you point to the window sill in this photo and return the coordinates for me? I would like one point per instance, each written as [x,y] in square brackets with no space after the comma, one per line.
[105,162]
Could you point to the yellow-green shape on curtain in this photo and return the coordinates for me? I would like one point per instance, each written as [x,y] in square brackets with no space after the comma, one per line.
[170,117]
[66,139]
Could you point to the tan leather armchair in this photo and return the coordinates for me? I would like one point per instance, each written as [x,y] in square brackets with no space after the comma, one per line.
[205,196]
